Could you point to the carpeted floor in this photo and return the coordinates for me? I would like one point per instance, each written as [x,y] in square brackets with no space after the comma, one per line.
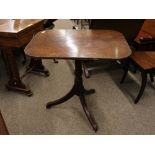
[112,104]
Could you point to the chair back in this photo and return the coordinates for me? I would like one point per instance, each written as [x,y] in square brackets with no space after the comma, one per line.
[129,27]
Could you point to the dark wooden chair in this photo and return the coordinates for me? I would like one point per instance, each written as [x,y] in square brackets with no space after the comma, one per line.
[145,63]
[142,59]
[129,27]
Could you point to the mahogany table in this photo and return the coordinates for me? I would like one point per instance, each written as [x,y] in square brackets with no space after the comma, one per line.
[78,45]
[15,34]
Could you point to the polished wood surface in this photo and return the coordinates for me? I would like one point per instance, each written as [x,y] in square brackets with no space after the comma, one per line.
[16,26]
[147,30]
[78,44]
[3,129]
[120,25]
[16,34]
[145,60]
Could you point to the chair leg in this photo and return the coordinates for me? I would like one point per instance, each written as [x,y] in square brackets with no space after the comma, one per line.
[86,72]
[151,77]
[55,61]
[143,84]
[126,68]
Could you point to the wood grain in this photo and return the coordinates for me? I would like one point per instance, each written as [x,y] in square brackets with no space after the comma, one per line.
[147,30]
[145,60]
[78,44]
[16,33]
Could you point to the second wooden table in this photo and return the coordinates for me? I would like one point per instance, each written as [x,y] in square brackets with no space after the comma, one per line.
[15,34]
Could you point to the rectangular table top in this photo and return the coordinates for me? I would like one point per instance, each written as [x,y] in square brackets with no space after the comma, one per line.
[78,44]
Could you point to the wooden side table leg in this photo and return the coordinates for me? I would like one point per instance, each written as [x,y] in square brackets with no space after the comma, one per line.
[79,90]
[87,112]
[15,82]
[69,95]
[37,67]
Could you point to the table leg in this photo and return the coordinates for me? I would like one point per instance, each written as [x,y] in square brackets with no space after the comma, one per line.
[36,66]
[79,90]
[15,82]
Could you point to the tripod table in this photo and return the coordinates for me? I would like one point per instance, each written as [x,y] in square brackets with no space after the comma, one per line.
[78,45]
